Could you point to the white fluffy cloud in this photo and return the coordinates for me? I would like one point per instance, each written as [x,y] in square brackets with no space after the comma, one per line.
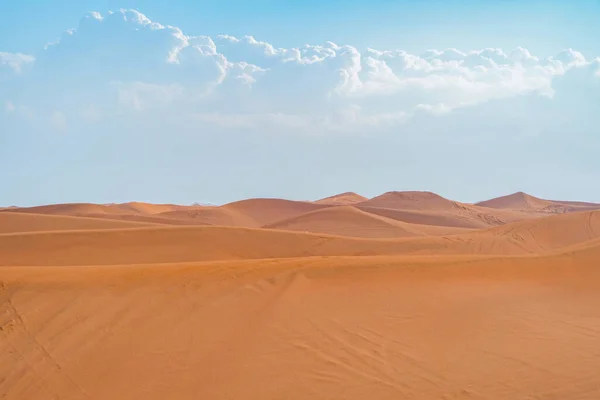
[122,62]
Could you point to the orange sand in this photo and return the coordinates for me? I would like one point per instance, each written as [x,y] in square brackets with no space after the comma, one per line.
[405,296]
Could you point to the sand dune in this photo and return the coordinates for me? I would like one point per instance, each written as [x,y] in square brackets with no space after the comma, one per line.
[428,208]
[342,199]
[146,208]
[100,212]
[434,218]
[407,295]
[268,211]
[186,244]
[83,209]
[212,216]
[552,232]
[152,219]
[521,201]
[173,244]
[337,328]
[350,221]
[73,209]
[135,208]
[11,222]
[462,216]
[524,201]
[578,204]
[410,201]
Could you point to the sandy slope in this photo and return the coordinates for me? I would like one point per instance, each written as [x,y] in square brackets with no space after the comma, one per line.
[336,328]
[350,221]
[426,208]
[410,201]
[524,201]
[343,199]
[250,213]
[72,209]
[18,222]
[152,219]
[186,244]
[521,201]
[99,209]
[421,208]
[433,218]
[212,216]
[268,211]
[103,308]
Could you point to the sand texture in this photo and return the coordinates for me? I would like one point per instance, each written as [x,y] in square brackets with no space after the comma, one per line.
[404,296]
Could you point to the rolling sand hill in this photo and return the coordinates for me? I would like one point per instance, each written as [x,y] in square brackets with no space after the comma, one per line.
[188,244]
[251,213]
[434,218]
[522,201]
[343,199]
[407,295]
[268,211]
[350,221]
[212,216]
[338,328]
[18,222]
[146,208]
[426,208]
[98,211]
[410,201]
[73,209]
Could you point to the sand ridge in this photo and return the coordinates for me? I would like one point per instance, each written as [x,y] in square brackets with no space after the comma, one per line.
[203,243]
[354,222]
[343,199]
[406,295]
[349,328]
[11,222]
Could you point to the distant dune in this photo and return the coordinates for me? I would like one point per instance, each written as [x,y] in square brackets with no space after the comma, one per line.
[524,201]
[268,211]
[350,221]
[72,209]
[11,222]
[212,216]
[146,208]
[342,199]
[520,201]
[410,201]
[187,244]
[406,295]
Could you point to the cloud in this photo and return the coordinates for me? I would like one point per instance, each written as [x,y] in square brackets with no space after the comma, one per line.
[122,62]
[15,61]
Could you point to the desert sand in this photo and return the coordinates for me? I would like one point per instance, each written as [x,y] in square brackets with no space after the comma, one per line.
[407,295]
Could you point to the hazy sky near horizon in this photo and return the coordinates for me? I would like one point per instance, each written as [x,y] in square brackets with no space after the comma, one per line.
[113,101]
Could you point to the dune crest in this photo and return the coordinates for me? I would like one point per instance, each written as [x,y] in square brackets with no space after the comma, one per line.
[11,222]
[268,211]
[521,201]
[410,200]
[354,222]
[342,199]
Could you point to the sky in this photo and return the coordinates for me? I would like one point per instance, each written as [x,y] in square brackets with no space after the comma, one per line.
[192,101]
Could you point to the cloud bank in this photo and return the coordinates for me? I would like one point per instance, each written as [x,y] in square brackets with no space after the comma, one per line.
[122,63]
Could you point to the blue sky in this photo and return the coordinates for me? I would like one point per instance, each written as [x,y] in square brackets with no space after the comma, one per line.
[543,26]
[125,108]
